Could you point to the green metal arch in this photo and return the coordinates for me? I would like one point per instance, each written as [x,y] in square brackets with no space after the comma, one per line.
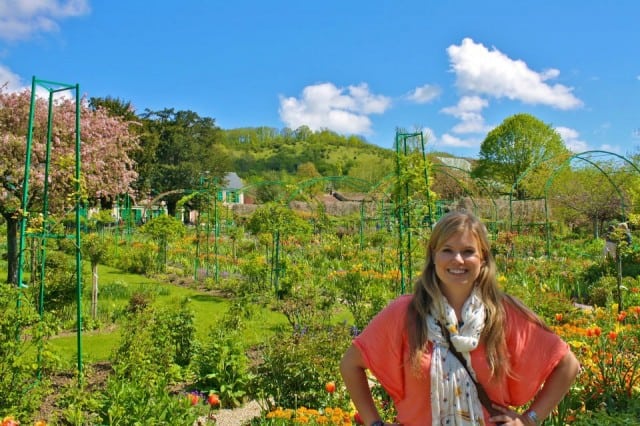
[493,201]
[567,162]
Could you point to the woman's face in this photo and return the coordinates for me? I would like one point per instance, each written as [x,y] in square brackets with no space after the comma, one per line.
[458,262]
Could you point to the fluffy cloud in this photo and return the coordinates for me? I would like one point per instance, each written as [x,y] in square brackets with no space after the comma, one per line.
[469,112]
[572,139]
[19,19]
[325,106]
[10,81]
[424,94]
[482,71]
[448,140]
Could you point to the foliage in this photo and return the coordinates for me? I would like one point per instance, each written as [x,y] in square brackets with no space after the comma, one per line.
[154,340]
[222,367]
[177,147]
[590,196]
[520,142]
[295,366]
[22,334]
[163,229]
[107,165]
[364,292]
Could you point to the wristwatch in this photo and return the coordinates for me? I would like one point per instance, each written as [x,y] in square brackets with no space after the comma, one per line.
[377,423]
[533,416]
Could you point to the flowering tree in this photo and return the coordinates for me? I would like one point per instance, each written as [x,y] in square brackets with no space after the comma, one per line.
[107,168]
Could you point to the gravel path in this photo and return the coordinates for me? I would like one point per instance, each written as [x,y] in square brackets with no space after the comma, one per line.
[237,417]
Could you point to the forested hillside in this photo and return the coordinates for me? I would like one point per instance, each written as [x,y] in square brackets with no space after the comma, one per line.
[264,152]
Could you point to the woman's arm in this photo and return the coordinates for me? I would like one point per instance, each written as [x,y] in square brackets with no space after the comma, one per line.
[553,390]
[556,386]
[352,368]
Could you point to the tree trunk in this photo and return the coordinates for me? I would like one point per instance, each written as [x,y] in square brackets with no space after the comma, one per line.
[12,248]
[94,290]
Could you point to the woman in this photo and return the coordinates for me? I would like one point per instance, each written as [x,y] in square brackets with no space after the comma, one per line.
[514,357]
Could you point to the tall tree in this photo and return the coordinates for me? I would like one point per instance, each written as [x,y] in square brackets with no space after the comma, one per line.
[522,143]
[107,168]
[178,147]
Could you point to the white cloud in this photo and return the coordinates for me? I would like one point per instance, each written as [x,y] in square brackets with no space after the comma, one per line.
[456,142]
[490,72]
[572,139]
[424,94]
[12,81]
[324,106]
[468,111]
[19,19]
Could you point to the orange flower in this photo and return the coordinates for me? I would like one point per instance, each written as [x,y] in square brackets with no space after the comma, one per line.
[621,316]
[330,387]
[193,398]
[612,335]
[559,317]
[213,400]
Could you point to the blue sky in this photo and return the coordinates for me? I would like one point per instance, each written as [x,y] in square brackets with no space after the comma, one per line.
[452,69]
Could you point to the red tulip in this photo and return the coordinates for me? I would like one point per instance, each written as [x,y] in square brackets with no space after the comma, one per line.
[330,387]
[357,419]
[213,400]
[193,398]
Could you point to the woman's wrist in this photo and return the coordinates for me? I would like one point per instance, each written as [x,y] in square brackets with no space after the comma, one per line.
[532,417]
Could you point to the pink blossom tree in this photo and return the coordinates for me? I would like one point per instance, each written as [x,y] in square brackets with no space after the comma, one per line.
[107,168]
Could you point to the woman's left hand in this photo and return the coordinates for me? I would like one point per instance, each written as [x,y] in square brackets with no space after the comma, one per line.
[510,418]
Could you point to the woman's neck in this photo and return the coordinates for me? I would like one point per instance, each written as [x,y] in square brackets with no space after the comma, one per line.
[456,301]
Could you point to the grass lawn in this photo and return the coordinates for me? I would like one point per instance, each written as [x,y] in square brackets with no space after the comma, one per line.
[208,310]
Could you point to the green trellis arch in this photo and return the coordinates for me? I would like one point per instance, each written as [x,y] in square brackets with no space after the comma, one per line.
[437,166]
[580,156]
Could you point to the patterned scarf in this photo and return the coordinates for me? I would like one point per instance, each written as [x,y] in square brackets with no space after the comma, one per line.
[454,399]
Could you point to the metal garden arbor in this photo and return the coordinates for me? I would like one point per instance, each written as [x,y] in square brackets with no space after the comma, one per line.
[45,231]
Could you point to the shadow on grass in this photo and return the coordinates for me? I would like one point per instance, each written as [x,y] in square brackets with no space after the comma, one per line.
[208,298]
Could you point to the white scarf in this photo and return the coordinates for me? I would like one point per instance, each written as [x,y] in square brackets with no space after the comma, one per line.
[454,399]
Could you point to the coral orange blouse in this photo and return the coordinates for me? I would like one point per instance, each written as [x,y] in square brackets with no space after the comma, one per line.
[384,346]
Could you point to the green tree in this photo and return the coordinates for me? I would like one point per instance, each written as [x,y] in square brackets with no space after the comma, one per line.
[163,229]
[177,148]
[587,194]
[115,107]
[95,249]
[520,143]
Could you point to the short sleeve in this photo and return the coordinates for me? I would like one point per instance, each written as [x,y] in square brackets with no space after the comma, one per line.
[534,352]
[382,345]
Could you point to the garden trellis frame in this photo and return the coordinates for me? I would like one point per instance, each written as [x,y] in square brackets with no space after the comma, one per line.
[584,156]
[402,198]
[52,88]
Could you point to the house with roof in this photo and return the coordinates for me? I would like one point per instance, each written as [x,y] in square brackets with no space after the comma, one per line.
[230,190]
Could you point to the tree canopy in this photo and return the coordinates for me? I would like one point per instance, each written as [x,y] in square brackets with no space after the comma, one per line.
[178,147]
[520,143]
[107,168]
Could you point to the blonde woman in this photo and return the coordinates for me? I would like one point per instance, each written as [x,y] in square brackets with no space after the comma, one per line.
[505,352]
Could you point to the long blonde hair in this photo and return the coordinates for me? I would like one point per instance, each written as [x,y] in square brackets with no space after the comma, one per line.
[427,289]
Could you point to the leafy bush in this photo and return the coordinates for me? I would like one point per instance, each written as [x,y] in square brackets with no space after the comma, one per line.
[296,366]
[21,333]
[222,367]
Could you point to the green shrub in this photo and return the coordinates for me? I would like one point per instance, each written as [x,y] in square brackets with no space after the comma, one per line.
[222,367]
[296,366]
[21,333]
